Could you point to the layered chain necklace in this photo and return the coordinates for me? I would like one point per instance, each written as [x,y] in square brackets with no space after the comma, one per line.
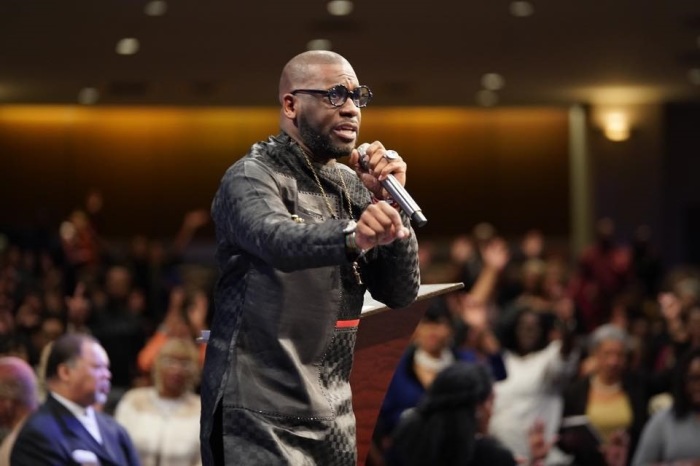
[326,199]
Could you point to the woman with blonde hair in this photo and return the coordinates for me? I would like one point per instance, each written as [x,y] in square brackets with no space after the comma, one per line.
[163,420]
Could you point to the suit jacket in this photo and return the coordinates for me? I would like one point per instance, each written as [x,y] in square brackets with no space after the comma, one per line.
[53,436]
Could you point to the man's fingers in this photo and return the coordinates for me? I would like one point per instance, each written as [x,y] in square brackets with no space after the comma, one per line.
[391,221]
[380,224]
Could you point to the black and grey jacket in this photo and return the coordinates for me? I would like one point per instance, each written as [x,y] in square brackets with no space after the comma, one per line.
[277,368]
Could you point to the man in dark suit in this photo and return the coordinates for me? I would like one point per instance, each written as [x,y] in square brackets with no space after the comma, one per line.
[67,430]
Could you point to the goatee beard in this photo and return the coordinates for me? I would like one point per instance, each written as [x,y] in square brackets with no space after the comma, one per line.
[320,145]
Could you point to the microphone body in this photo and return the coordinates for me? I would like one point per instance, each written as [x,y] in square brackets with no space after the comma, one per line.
[396,191]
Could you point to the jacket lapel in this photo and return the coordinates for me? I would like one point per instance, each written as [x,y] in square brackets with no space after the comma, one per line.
[78,437]
[110,439]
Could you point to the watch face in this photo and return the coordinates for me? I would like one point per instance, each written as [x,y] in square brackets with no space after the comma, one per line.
[350,227]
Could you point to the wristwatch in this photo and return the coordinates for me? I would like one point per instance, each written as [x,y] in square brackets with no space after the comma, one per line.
[351,247]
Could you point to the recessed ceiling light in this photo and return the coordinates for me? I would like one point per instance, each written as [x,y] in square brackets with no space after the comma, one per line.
[319,44]
[694,76]
[340,7]
[88,96]
[128,46]
[486,98]
[617,127]
[155,8]
[521,9]
[492,81]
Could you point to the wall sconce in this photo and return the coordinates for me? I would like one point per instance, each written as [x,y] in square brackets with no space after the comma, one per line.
[616,127]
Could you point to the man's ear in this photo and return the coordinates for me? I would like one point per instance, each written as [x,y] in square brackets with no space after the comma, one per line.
[289,107]
[63,372]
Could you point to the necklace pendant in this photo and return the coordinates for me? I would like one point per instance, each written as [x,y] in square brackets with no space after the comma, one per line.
[356,272]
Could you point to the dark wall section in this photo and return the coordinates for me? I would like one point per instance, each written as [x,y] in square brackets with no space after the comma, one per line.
[681,203]
[628,175]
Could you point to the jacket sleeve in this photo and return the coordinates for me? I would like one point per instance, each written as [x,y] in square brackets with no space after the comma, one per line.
[251,215]
[128,448]
[34,448]
[650,448]
[392,272]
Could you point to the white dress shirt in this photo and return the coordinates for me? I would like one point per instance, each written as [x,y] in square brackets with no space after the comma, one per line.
[86,416]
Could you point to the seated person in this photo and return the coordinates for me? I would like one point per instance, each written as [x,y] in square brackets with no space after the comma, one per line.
[18,399]
[430,353]
[163,421]
[448,428]
[614,400]
[67,429]
[672,435]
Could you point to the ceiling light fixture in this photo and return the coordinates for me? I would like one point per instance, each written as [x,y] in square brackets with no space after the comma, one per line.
[492,81]
[340,7]
[521,9]
[127,46]
[155,8]
[88,96]
[319,44]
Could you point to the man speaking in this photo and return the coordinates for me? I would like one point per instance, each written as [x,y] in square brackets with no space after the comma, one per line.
[300,238]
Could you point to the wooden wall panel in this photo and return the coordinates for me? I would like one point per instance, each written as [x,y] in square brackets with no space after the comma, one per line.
[507,166]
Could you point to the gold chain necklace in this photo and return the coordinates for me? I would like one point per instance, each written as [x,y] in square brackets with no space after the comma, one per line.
[355,264]
[323,191]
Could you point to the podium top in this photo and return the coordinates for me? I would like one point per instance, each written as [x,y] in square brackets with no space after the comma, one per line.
[372,306]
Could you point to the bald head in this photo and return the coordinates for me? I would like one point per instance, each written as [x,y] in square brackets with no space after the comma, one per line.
[302,69]
[322,128]
[18,385]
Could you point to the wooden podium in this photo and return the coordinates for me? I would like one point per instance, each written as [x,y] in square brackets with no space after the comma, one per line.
[382,338]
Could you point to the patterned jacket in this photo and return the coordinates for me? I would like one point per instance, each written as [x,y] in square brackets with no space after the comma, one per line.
[275,388]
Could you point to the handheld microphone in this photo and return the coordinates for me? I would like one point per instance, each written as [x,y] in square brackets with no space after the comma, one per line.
[396,191]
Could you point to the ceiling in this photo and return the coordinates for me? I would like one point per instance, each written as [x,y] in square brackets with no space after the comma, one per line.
[418,52]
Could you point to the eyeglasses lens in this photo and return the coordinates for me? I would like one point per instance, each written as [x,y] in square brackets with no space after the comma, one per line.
[339,94]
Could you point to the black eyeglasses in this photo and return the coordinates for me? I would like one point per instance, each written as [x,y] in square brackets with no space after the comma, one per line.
[338,95]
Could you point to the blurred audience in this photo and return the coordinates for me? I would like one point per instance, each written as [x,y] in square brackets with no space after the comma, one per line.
[603,271]
[539,363]
[153,264]
[449,426]
[163,421]
[67,429]
[613,399]
[432,351]
[186,318]
[119,327]
[135,297]
[456,327]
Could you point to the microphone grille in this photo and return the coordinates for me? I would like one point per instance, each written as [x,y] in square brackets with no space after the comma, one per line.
[362,148]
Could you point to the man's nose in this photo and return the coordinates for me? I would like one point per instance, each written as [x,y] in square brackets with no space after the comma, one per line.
[349,107]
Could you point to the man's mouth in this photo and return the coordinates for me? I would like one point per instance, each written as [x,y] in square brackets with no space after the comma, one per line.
[347,132]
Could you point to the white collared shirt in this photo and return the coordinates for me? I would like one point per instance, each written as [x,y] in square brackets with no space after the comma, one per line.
[86,416]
